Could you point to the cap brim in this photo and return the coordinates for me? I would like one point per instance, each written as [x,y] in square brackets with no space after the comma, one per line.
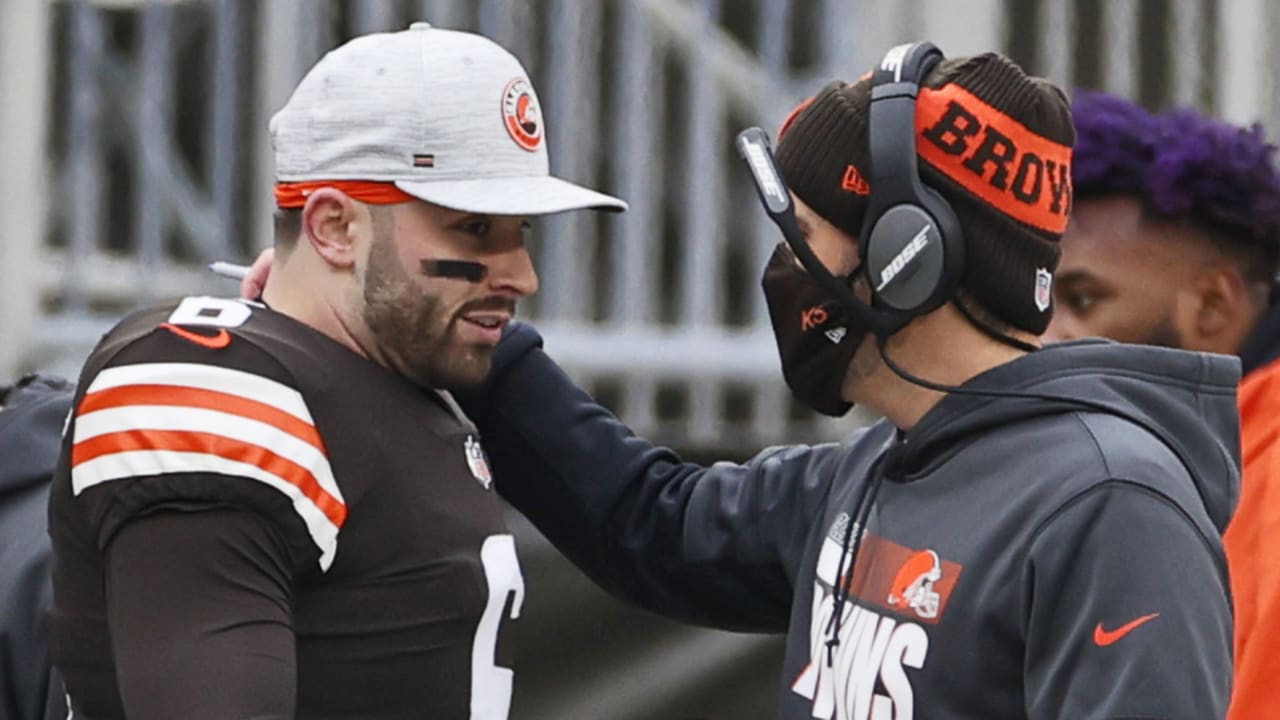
[541,195]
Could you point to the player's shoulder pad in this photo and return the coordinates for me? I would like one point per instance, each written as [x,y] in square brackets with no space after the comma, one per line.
[170,397]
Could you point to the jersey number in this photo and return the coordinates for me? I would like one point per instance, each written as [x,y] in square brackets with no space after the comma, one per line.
[490,683]
[217,312]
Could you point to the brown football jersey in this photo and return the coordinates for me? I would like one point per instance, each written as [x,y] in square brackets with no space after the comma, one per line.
[380,532]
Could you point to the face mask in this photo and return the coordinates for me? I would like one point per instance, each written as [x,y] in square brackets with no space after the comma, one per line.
[816,336]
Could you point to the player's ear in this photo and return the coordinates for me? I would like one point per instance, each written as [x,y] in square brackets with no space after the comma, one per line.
[329,223]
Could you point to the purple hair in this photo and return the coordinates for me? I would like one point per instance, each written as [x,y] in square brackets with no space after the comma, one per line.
[1182,166]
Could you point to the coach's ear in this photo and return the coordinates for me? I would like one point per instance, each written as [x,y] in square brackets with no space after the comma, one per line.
[329,222]
[255,282]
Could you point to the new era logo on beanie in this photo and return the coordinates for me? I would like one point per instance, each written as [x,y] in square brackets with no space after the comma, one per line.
[994,142]
[443,116]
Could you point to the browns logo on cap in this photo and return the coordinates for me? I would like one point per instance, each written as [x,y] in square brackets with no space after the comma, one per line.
[521,114]
[422,114]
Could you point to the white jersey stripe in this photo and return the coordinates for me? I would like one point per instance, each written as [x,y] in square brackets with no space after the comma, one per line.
[136,463]
[229,425]
[206,377]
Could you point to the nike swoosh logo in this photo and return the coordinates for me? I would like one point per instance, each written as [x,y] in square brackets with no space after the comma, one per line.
[213,342]
[1103,638]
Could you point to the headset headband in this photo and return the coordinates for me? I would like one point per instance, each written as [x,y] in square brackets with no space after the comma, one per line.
[895,172]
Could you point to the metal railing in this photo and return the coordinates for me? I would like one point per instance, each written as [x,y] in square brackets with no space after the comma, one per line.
[154,115]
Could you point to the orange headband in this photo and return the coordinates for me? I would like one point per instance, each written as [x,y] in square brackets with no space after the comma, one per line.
[1021,173]
[294,194]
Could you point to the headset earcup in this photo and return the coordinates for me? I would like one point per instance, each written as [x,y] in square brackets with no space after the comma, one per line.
[953,247]
[906,259]
[912,247]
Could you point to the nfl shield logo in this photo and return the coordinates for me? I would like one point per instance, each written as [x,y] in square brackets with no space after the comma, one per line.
[1044,288]
[476,461]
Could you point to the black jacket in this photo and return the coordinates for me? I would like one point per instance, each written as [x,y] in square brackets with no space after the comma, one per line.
[30,433]
[1051,556]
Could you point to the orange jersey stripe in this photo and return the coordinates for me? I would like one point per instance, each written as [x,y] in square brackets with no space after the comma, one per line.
[174,395]
[1025,175]
[211,444]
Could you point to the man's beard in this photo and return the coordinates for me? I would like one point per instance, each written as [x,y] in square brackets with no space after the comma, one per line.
[414,329]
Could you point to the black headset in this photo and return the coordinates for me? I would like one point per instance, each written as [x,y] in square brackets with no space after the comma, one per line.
[911,245]
[902,208]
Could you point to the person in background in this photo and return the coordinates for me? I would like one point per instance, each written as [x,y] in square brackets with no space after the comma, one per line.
[32,412]
[1174,240]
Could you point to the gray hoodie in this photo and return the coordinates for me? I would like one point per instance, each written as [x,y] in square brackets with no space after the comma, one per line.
[30,433]
[1056,555]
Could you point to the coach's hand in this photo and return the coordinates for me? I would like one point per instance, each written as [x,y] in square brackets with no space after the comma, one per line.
[255,282]
[518,340]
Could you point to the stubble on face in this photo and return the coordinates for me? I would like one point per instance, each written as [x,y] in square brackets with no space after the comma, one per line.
[1164,334]
[414,328]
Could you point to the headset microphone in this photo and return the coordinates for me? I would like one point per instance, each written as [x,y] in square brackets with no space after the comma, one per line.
[753,146]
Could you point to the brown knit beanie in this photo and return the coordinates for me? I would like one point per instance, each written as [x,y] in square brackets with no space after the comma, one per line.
[994,142]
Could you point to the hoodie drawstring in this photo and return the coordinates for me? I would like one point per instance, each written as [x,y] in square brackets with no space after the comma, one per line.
[849,547]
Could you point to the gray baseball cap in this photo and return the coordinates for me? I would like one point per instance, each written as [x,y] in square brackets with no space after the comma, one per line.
[448,117]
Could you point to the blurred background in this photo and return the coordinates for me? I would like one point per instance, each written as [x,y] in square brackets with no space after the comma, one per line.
[134,151]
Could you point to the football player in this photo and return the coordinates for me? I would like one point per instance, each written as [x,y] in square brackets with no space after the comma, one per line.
[274,509]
